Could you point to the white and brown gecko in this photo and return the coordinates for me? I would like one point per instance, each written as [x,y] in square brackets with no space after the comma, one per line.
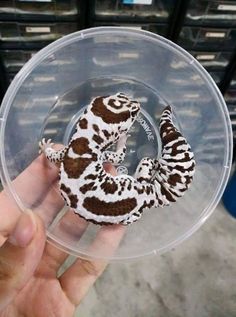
[105,199]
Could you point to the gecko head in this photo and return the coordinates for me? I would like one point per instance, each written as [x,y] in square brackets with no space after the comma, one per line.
[121,104]
[124,108]
[116,110]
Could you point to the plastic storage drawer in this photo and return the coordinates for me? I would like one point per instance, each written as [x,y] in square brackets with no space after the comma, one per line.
[150,10]
[213,60]
[28,9]
[28,34]
[232,84]
[10,77]
[207,38]
[232,109]
[230,96]
[203,12]
[160,29]
[13,60]
[217,76]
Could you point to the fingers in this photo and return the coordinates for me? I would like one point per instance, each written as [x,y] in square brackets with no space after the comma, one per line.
[68,227]
[110,168]
[19,256]
[77,280]
[36,179]
[32,185]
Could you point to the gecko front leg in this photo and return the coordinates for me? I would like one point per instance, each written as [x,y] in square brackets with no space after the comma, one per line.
[54,156]
[118,156]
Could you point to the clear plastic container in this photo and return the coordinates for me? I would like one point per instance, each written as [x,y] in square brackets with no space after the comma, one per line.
[161,29]
[46,98]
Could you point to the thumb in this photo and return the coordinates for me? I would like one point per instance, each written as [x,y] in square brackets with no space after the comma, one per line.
[20,255]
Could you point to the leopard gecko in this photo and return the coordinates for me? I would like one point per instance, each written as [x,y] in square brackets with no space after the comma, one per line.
[102,198]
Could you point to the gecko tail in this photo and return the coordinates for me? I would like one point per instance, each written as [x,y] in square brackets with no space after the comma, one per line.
[176,167]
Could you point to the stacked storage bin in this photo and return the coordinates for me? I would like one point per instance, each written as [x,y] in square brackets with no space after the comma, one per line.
[150,15]
[230,98]
[28,25]
[209,33]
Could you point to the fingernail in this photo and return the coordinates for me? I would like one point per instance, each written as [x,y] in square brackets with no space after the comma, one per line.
[24,231]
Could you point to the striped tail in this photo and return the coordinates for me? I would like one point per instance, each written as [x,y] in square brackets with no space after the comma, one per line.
[176,167]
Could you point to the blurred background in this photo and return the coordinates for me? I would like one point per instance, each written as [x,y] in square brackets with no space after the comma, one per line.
[206,29]
[198,278]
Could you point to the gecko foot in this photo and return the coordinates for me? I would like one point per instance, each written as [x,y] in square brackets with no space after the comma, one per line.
[43,145]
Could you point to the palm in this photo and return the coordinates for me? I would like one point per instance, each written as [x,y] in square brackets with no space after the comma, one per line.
[41,292]
[42,296]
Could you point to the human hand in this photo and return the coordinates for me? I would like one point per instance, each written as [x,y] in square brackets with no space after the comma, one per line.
[29,285]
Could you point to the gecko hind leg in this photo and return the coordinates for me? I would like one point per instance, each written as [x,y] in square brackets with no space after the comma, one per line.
[118,156]
[145,170]
[54,156]
[133,218]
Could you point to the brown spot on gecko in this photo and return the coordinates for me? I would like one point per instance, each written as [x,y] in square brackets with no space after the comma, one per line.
[87,187]
[111,103]
[99,109]
[168,195]
[167,127]
[188,180]
[65,189]
[143,179]
[98,139]
[148,190]
[75,167]
[73,201]
[183,160]
[91,176]
[81,146]
[106,146]
[140,190]
[96,128]
[170,137]
[117,208]
[183,169]
[106,133]
[72,198]
[109,186]
[146,205]
[173,148]
[174,179]
[83,123]
[129,186]
[98,167]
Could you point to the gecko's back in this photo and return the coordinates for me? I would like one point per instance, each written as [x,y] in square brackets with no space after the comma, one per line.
[105,199]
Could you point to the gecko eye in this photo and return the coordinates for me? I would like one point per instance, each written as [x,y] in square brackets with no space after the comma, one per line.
[135,106]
